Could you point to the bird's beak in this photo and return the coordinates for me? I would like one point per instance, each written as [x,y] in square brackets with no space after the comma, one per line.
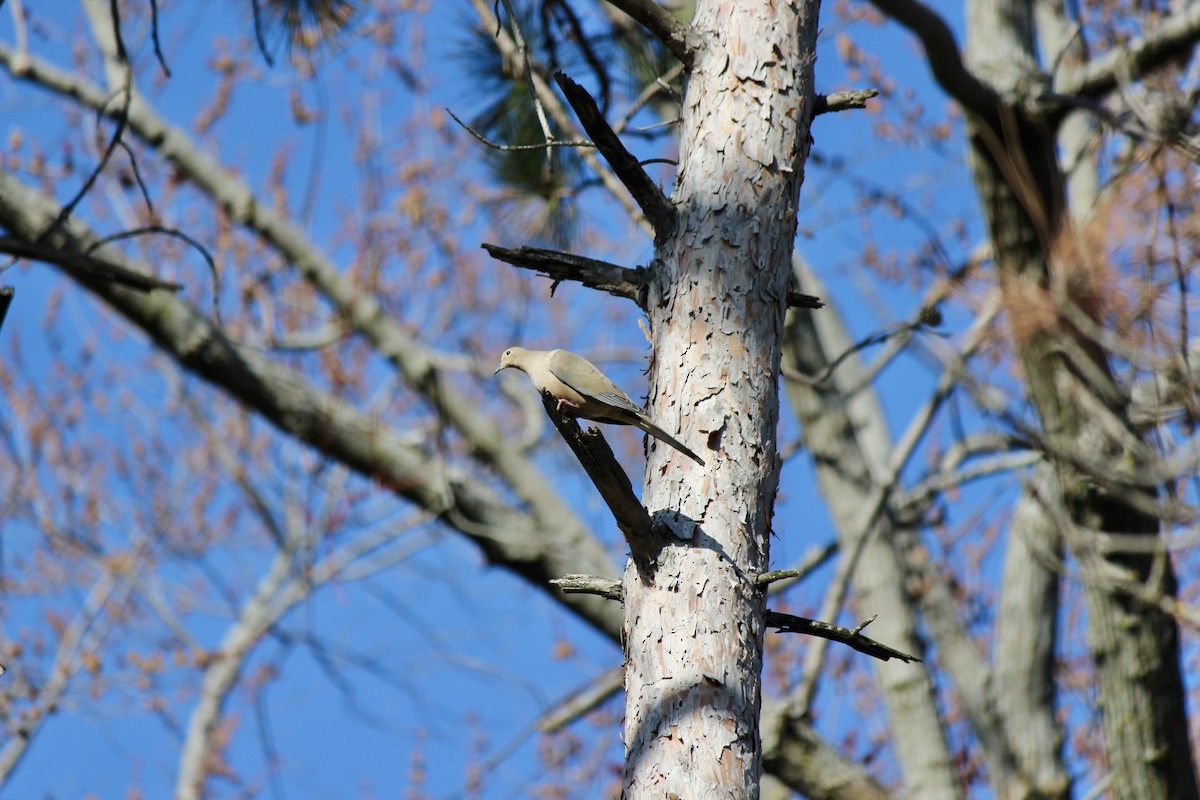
[497,372]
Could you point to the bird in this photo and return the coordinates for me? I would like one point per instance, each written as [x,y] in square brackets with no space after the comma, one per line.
[579,386]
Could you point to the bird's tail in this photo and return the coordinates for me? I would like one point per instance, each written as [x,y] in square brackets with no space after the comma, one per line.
[658,433]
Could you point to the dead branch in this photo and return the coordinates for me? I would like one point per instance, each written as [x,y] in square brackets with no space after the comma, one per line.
[559,266]
[654,204]
[852,637]
[608,588]
[674,35]
[85,266]
[610,479]
[607,277]
[843,101]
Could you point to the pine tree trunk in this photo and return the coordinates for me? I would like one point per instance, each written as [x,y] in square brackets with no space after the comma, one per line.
[693,624]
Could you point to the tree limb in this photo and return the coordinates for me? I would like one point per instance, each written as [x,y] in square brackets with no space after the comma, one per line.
[794,752]
[654,204]
[559,266]
[607,277]
[534,547]
[941,52]
[843,101]
[602,467]
[360,310]
[851,637]
[1175,36]
[581,702]
[608,588]
[98,268]
[674,35]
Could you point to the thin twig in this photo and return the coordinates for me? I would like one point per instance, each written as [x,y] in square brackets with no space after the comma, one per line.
[6,296]
[260,33]
[162,62]
[516,147]
[651,90]
[178,234]
[523,55]
[875,338]
[122,122]
[137,176]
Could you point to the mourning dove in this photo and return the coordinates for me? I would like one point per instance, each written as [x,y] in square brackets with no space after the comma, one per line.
[584,390]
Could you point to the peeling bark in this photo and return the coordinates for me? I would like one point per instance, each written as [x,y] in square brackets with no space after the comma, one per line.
[716,302]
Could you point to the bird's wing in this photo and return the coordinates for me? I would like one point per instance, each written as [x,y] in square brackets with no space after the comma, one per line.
[584,377]
[621,401]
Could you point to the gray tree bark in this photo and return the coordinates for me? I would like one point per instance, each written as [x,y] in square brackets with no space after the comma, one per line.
[694,619]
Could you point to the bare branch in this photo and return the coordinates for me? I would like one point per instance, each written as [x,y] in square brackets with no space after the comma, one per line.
[602,467]
[559,266]
[660,85]
[674,35]
[843,101]
[363,313]
[851,637]
[608,588]
[93,267]
[878,337]
[335,428]
[558,112]
[581,702]
[786,623]
[801,300]
[507,148]
[602,275]
[654,204]
[523,57]
[1176,36]
[1022,686]
[941,51]
[162,62]
[794,752]
[77,637]
[779,579]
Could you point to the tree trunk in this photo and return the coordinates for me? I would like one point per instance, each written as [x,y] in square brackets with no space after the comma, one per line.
[1026,631]
[694,618]
[1046,282]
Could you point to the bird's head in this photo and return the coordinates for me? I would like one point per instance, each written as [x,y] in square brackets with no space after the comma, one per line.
[512,357]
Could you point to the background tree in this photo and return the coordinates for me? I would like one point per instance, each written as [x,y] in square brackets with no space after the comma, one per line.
[264,502]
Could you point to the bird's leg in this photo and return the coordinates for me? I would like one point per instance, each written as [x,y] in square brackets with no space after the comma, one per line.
[562,401]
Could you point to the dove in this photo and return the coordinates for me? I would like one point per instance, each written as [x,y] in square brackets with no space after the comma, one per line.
[584,391]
